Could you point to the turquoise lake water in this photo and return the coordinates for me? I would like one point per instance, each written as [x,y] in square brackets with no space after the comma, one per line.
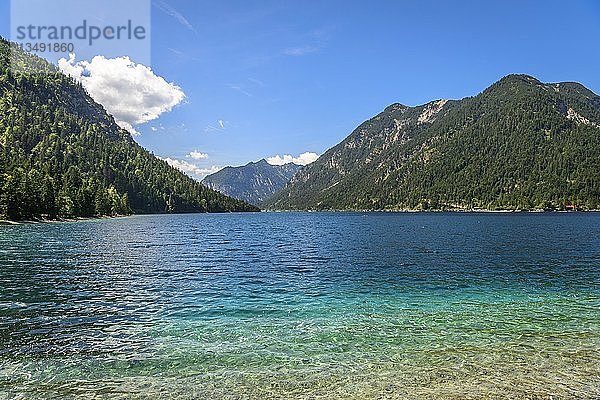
[302,306]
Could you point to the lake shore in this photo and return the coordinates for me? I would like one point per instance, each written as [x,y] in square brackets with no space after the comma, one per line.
[400,211]
[455,211]
[58,221]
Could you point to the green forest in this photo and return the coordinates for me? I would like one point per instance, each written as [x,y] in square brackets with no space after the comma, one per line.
[62,156]
[519,145]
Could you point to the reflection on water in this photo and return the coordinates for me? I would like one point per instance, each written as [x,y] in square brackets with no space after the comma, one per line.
[297,305]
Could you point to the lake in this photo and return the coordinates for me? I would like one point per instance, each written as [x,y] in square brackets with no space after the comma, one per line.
[302,305]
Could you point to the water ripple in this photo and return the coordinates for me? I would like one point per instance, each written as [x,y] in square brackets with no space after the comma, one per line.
[294,305]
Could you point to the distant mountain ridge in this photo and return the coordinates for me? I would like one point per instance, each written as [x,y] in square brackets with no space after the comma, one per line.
[254,182]
[63,156]
[520,144]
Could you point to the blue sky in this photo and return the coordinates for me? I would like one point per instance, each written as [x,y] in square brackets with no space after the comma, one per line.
[286,77]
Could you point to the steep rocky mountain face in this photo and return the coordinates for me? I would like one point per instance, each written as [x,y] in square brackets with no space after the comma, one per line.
[254,182]
[520,144]
[63,156]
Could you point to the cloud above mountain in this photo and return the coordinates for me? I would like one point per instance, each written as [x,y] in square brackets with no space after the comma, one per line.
[302,159]
[131,92]
[196,155]
[191,169]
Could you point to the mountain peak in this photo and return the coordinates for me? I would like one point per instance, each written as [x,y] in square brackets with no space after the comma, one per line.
[521,144]
[254,182]
[258,163]
[395,107]
[520,78]
[513,83]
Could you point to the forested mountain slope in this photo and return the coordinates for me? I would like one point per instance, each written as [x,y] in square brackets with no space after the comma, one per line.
[520,144]
[62,155]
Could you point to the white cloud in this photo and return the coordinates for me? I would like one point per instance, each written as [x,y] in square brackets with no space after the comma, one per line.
[193,170]
[131,92]
[182,165]
[211,170]
[196,155]
[302,159]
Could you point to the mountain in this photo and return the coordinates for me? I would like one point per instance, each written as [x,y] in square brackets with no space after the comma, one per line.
[62,155]
[520,144]
[254,182]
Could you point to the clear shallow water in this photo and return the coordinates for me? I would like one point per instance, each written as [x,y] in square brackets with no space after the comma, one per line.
[302,305]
